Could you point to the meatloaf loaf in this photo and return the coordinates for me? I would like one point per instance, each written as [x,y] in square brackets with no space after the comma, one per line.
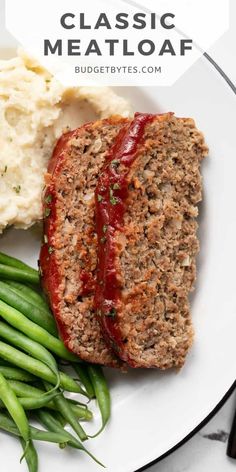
[68,256]
[146,222]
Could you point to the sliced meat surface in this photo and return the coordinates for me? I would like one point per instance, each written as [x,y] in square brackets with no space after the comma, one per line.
[146,205]
[68,258]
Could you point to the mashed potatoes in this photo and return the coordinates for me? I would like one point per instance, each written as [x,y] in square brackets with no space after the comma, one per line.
[34,110]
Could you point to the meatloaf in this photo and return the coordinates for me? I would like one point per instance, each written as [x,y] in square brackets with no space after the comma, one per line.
[146,200]
[68,256]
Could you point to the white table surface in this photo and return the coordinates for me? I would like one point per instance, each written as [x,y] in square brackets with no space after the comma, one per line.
[206,451]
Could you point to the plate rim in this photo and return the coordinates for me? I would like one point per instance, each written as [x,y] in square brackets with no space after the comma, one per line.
[233,386]
[193,432]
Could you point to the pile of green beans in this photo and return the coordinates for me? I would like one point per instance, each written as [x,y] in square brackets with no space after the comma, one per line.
[32,382]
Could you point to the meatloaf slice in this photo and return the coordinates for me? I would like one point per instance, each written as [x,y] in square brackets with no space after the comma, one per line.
[68,256]
[146,222]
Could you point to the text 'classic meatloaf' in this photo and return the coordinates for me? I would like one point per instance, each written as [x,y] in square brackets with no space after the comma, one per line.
[146,222]
[68,257]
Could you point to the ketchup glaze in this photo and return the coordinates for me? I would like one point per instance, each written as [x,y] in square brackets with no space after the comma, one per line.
[110,198]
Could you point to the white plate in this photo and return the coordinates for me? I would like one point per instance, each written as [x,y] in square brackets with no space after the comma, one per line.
[153,411]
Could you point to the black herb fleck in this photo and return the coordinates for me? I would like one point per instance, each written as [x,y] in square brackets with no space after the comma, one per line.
[111,313]
[17,188]
[4,171]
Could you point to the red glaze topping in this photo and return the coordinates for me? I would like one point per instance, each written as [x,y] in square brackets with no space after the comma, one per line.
[110,196]
[50,274]
[50,277]
[88,283]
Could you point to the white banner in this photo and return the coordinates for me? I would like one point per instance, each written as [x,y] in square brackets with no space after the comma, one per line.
[117,42]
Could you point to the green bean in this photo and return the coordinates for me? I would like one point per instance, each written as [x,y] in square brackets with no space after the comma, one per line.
[65,409]
[13,262]
[30,455]
[13,373]
[35,332]
[28,294]
[57,415]
[5,363]
[76,402]
[14,408]
[24,390]
[31,347]
[47,420]
[18,358]
[81,413]
[40,435]
[82,372]
[35,403]
[102,393]
[35,314]
[37,434]
[21,275]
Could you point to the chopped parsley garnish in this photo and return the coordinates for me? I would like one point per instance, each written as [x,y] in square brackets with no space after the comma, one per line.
[113,200]
[115,163]
[17,188]
[47,212]
[103,239]
[104,229]
[100,198]
[48,198]
[50,249]
[116,186]
[111,313]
